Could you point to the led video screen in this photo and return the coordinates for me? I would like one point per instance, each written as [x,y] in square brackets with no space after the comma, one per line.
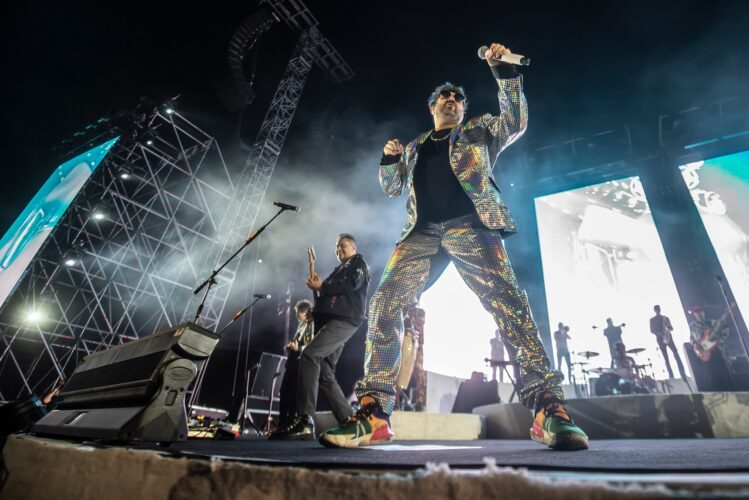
[25,237]
[720,190]
[602,258]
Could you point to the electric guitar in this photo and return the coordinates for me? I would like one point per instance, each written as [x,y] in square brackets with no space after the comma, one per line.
[305,336]
[311,258]
[710,338]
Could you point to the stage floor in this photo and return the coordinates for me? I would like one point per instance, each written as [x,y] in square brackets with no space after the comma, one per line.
[624,456]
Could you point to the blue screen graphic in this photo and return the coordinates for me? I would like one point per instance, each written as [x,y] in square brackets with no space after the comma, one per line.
[720,190]
[25,237]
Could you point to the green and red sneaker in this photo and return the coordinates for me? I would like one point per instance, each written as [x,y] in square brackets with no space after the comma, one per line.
[368,426]
[553,427]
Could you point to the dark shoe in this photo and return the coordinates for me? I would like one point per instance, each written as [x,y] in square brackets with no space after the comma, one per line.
[368,426]
[300,428]
[553,427]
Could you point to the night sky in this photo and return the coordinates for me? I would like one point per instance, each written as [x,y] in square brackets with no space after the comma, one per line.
[595,66]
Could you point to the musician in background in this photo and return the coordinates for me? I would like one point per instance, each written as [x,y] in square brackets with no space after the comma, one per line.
[660,326]
[302,337]
[563,352]
[614,336]
[706,336]
[623,362]
[340,307]
[497,354]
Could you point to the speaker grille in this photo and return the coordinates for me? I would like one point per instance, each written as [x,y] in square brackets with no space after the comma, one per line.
[140,369]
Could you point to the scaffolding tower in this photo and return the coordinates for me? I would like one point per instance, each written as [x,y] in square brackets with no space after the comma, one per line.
[163,191]
[175,214]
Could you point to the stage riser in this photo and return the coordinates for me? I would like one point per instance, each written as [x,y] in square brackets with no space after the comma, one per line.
[701,415]
[423,426]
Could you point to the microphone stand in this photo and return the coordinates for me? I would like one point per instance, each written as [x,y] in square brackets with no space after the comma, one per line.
[207,284]
[733,316]
[199,379]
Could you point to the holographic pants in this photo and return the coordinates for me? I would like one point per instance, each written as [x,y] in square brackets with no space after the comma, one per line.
[479,256]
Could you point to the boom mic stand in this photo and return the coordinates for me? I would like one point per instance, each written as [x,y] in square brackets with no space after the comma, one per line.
[208,283]
[733,316]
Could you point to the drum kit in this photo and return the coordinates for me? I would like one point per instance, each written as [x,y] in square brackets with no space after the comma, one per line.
[634,379]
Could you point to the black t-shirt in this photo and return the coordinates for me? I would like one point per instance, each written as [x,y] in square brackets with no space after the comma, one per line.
[439,195]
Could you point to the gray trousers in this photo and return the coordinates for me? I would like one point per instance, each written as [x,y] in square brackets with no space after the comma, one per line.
[317,370]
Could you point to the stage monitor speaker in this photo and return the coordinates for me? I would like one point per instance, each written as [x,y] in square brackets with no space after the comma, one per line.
[132,392]
[475,392]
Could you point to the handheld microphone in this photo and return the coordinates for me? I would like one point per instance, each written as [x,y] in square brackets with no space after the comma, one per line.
[507,58]
[262,295]
[286,206]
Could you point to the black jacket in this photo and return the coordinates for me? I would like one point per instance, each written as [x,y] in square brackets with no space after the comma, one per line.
[344,293]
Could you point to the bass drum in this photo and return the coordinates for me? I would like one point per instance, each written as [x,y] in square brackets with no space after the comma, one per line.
[611,384]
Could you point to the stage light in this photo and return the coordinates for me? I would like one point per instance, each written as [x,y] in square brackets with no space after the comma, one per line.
[33,316]
[260,261]
[169,107]
[124,176]
[98,216]
[70,262]
[147,137]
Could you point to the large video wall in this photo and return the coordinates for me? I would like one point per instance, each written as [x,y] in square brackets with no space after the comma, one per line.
[602,258]
[720,190]
[25,237]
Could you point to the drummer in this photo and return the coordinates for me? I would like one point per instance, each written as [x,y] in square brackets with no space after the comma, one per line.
[624,365]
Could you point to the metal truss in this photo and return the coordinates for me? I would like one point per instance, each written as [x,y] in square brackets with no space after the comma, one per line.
[299,18]
[312,48]
[165,192]
[176,216]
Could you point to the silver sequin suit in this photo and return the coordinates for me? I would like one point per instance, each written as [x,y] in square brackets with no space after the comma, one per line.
[473,243]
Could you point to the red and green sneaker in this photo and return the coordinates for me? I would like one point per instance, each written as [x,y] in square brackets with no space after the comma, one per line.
[553,427]
[368,426]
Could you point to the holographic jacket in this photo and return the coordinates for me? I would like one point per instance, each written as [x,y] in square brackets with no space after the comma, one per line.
[474,147]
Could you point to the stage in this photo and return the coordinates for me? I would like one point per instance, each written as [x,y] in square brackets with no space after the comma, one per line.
[623,455]
[637,468]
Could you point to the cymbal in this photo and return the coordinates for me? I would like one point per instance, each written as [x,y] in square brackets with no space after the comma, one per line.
[641,367]
[581,363]
[588,354]
[636,350]
[598,370]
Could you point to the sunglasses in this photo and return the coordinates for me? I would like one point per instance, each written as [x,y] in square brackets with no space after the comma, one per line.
[458,96]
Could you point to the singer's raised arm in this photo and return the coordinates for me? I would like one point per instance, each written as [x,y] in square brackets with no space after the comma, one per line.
[507,127]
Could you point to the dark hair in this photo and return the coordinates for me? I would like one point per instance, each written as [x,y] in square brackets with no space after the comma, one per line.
[347,236]
[303,306]
[447,86]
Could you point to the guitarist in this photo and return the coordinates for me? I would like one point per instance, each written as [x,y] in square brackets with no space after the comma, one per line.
[303,336]
[660,326]
[706,336]
[340,307]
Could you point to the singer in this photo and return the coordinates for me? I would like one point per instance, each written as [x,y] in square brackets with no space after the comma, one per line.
[456,213]
[340,307]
